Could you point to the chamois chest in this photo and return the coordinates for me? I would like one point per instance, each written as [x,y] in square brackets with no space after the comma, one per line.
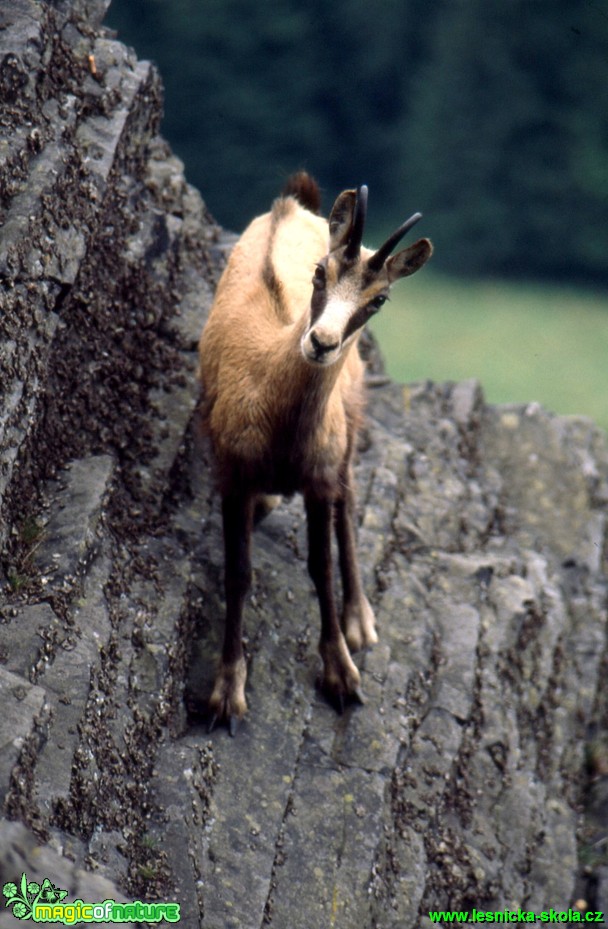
[283,450]
[286,427]
[306,447]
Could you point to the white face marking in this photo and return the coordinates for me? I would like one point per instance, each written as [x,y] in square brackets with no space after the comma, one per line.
[322,344]
[333,320]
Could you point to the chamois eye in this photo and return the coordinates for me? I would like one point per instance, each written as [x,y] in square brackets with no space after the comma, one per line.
[377,302]
[319,279]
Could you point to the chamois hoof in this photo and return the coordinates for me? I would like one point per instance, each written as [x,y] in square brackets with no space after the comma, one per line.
[340,682]
[357,697]
[341,701]
[233,724]
[227,701]
[359,625]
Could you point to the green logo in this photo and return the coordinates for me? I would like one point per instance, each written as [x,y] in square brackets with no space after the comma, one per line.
[44,903]
[24,898]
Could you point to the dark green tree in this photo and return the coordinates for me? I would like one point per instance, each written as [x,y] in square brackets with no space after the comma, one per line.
[508,134]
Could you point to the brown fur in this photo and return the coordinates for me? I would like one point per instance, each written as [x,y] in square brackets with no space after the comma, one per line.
[282,401]
[305,190]
[275,421]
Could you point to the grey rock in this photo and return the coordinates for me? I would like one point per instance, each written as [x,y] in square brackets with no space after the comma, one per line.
[69,534]
[22,704]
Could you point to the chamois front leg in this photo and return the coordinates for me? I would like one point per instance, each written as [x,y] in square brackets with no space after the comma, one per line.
[340,676]
[227,700]
[358,621]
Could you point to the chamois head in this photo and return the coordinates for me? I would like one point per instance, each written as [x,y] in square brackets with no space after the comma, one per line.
[351,283]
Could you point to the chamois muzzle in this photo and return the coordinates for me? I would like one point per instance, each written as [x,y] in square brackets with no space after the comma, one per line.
[322,348]
[353,247]
[377,260]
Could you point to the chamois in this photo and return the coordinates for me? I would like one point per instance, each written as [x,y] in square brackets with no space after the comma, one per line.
[282,399]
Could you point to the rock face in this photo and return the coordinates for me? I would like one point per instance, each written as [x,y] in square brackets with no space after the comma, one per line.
[462,781]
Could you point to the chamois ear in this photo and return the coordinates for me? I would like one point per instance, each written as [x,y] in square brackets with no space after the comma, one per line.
[341,219]
[409,260]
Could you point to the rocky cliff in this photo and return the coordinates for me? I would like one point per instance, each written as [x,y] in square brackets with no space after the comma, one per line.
[475,775]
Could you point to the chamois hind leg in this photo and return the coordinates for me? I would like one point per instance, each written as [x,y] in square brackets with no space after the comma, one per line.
[358,621]
[340,676]
[227,700]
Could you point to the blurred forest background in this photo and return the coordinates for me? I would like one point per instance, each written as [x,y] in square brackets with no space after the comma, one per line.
[489,117]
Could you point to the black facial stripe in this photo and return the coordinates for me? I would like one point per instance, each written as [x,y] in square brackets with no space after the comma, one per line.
[319,279]
[357,320]
[377,277]
[344,267]
[318,302]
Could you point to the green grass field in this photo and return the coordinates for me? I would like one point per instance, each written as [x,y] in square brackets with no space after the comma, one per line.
[524,342]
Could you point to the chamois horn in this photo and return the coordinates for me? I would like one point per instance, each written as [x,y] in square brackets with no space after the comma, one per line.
[353,247]
[378,258]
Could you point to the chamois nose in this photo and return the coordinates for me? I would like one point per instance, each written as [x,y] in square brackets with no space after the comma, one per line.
[321,346]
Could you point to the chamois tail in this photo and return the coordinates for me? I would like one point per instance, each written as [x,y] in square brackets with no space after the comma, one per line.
[305,189]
